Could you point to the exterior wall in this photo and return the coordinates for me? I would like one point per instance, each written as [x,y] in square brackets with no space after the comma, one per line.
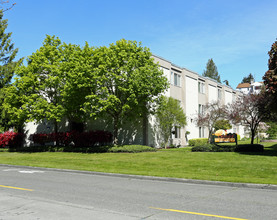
[244,90]
[228,97]
[191,106]
[212,89]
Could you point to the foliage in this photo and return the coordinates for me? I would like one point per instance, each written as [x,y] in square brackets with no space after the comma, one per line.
[77,139]
[65,81]
[248,78]
[80,82]
[213,148]
[128,83]
[198,141]
[226,82]
[270,77]
[170,114]
[213,112]
[130,149]
[250,111]
[272,130]
[9,5]
[7,67]
[249,148]
[11,139]
[211,71]
[41,82]
[222,124]
[202,148]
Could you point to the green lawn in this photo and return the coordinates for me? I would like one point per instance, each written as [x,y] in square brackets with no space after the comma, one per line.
[178,163]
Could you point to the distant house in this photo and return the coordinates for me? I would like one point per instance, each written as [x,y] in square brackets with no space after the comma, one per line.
[244,88]
[247,88]
[256,87]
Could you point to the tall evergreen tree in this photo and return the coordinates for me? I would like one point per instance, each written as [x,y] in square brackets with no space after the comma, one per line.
[7,66]
[248,78]
[211,71]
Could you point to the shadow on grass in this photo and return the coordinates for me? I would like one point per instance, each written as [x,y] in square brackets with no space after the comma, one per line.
[268,151]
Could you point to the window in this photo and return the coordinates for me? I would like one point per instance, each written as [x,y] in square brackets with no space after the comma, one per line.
[177,132]
[201,87]
[257,87]
[172,78]
[200,109]
[219,94]
[201,132]
[175,79]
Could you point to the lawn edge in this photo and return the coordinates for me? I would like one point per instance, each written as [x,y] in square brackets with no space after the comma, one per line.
[154,178]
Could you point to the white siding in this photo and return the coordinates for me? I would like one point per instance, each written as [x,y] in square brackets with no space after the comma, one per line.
[191,106]
[167,75]
[228,97]
[212,93]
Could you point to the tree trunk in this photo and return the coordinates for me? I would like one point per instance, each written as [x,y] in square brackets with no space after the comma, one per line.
[115,131]
[145,130]
[55,131]
[252,136]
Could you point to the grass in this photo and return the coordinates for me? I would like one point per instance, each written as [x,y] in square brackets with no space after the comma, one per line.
[177,163]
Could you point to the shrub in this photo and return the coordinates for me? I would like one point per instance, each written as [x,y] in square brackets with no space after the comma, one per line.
[11,139]
[198,141]
[202,148]
[249,148]
[213,148]
[79,139]
[223,148]
[130,149]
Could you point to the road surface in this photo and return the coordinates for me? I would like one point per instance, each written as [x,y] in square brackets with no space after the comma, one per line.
[29,194]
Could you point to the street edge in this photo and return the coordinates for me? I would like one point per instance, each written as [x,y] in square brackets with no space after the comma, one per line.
[154,178]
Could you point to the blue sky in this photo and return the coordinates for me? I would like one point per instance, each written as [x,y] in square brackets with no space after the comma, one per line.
[237,34]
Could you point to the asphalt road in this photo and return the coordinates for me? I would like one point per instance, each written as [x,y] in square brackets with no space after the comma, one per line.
[28,194]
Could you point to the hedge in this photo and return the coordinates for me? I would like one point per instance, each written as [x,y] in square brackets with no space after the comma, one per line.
[11,139]
[249,148]
[78,139]
[198,141]
[130,149]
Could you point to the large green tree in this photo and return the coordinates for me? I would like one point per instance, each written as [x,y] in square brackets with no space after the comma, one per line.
[53,85]
[170,114]
[211,71]
[270,77]
[128,83]
[41,81]
[80,84]
[7,67]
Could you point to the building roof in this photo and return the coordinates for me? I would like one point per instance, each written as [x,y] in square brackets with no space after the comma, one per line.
[243,85]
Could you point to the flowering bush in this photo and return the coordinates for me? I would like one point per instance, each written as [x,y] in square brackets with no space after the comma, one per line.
[79,139]
[11,139]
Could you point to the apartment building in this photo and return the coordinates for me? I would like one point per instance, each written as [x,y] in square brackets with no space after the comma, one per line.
[191,89]
[194,91]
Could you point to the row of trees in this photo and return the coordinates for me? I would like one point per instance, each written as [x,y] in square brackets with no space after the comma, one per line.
[62,80]
[249,110]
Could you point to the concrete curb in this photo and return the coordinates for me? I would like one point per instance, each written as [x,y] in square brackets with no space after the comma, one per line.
[153,178]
